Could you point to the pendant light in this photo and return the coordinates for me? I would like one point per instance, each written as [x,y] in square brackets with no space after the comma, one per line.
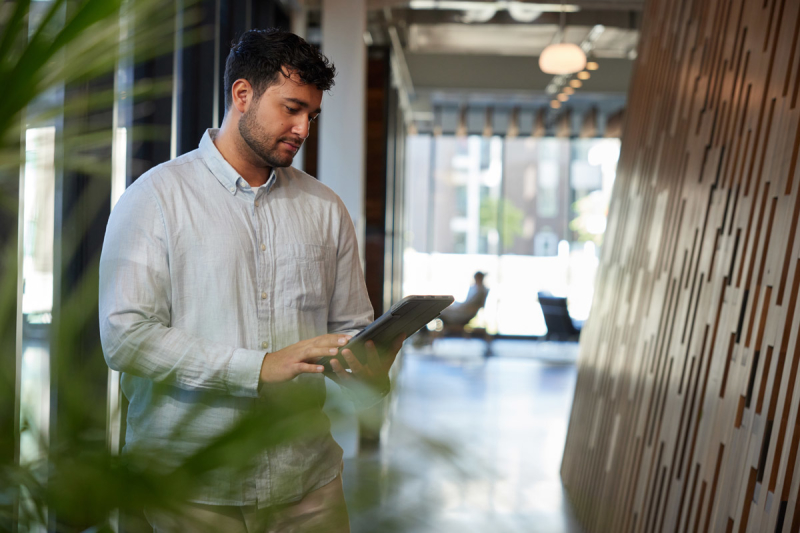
[562,58]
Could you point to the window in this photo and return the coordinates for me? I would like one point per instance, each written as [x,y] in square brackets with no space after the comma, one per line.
[528,212]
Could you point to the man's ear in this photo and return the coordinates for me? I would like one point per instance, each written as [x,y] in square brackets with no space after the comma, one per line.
[241,95]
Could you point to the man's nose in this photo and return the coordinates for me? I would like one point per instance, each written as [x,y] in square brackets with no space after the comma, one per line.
[301,127]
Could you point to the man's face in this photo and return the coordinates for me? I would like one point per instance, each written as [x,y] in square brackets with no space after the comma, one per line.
[275,125]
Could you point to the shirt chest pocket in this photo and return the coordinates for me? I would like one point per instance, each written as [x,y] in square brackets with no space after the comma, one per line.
[302,275]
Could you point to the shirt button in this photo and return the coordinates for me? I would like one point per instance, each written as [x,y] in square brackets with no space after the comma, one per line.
[263,247]
[264,344]
[233,189]
[263,295]
[256,203]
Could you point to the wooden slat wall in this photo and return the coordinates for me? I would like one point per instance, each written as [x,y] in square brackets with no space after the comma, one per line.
[686,414]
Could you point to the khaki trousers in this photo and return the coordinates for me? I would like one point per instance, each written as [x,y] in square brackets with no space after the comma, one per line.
[321,511]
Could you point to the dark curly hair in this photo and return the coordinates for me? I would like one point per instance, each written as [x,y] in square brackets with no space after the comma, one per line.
[261,56]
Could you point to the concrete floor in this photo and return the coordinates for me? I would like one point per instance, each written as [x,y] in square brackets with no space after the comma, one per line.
[472,444]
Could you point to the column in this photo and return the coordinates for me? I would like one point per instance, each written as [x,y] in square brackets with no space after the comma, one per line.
[342,149]
[342,138]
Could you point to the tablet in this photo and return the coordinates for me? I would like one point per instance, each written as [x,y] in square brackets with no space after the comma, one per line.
[406,317]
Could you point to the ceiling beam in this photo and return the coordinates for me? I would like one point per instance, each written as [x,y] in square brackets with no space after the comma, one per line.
[611,19]
[594,5]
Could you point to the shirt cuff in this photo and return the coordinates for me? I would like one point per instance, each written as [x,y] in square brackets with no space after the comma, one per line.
[244,372]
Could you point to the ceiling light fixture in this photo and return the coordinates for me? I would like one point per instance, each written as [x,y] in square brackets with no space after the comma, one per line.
[592,65]
[555,104]
[569,90]
[562,58]
[523,12]
[576,84]
[479,16]
[461,129]
[563,97]
[513,124]
[583,75]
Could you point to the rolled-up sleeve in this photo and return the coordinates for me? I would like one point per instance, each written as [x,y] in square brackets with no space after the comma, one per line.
[135,326]
[350,310]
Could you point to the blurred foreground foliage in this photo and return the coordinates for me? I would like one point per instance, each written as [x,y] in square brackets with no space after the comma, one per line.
[46,48]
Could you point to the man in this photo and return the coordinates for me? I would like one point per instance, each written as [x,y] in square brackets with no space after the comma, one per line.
[459,314]
[225,275]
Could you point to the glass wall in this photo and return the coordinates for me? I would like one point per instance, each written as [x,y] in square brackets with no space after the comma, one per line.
[37,213]
[528,212]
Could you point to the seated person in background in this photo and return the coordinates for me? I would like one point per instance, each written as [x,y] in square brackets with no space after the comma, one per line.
[460,313]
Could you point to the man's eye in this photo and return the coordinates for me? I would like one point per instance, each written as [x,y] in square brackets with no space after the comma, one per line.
[292,109]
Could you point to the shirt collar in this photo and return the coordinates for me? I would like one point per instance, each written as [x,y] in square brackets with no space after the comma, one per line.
[220,168]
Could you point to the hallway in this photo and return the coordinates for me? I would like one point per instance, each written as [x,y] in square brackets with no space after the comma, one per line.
[474,444]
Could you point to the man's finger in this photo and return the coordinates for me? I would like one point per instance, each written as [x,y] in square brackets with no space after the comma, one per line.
[331,340]
[389,357]
[352,361]
[398,342]
[373,359]
[304,368]
[340,371]
[312,353]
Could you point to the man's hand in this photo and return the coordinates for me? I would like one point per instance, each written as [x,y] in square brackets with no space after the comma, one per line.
[290,362]
[375,374]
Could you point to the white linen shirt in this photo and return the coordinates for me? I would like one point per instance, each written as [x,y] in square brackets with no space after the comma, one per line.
[201,276]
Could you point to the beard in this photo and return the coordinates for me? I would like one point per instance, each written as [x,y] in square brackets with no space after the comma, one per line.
[264,145]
